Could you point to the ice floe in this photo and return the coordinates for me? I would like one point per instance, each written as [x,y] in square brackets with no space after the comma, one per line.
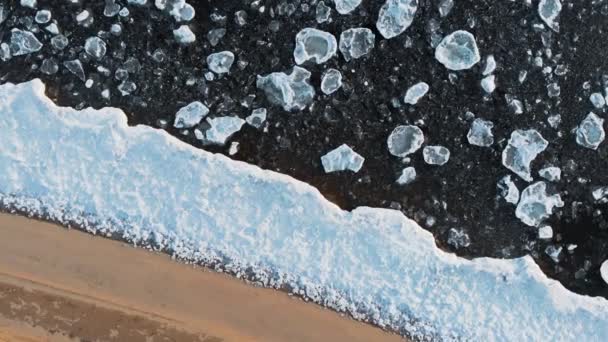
[95,47]
[356,42]
[257,118]
[145,186]
[480,133]
[508,189]
[220,62]
[222,128]
[314,45]
[23,42]
[458,51]
[405,140]
[184,35]
[342,158]
[549,11]
[408,175]
[524,146]
[590,133]
[545,233]
[551,173]
[346,6]
[292,92]
[395,17]
[536,205]
[331,81]
[488,84]
[436,155]
[415,93]
[604,271]
[190,115]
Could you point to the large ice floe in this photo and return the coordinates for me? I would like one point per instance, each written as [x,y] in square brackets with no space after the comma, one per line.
[88,168]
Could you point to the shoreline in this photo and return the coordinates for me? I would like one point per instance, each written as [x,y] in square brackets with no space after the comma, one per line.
[48,260]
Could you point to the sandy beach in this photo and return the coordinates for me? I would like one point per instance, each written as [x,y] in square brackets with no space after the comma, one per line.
[58,284]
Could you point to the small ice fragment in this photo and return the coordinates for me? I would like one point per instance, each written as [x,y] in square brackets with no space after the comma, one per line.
[480,133]
[292,92]
[184,35]
[490,65]
[508,190]
[240,18]
[222,129]
[346,6]
[75,67]
[116,29]
[95,47]
[405,140]
[445,7]
[331,81]
[49,66]
[488,84]
[137,2]
[59,42]
[458,238]
[23,42]
[554,121]
[314,45]
[545,233]
[408,175]
[5,52]
[52,28]
[415,93]
[553,252]
[111,9]
[458,51]
[514,104]
[323,12]
[43,16]
[184,13]
[257,118]
[341,159]
[435,155]
[356,42]
[214,36]
[3,13]
[190,115]
[84,18]
[604,271]
[590,133]
[597,99]
[124,12]
[524,146]
[395,17]
[549,11]
[551,173]
[600,194]
[29,3]
[234,148]
[126,88]
[553,89]
[220,62]
[536,205]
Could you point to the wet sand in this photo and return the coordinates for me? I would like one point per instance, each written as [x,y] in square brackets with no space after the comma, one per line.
[62,285]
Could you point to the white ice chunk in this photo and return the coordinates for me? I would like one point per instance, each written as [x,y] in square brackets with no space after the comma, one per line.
[488,84]
[508,190]
[222,129]
[29,3]
[490,65]
[184,35]
[415,93]
[549,12]
[190,115]
[480,133]
[341,159]
[220,62]
[436,155]
[590,133]
[405,140]
[23,42]
[536,205]
[257,118]
[331,81]
[524,146]
[356,42]
[95,47]
[395,17]
[346,6]
[314,45]
[604,271]
[292,92]
[545,233]
[551,173]
[458,51]
[598,100]
[408,175]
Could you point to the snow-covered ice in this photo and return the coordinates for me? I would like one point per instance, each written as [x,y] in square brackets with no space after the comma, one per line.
[590,133]
[524,146]
[341,159]
[331,81]
[405,140]
[356,42]
[220,62]
[190,115]
[314,45]
[549,11]
[436,155]
[408,175]
[292,92]
[144,185]
[480,133]
[415,93]
[458,51]
[395,17]
[536,205]
[508,189]
[222,128]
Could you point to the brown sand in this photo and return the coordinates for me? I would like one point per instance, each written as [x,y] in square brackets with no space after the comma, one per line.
[60,285]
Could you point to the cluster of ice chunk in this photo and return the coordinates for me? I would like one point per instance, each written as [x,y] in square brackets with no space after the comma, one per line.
[458,51]
[356,42]
[523,147]
[341,159]
[536,205]
[292,92]
[395,17]
[314,45]
[190,115]
[590,133]
[405,140]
